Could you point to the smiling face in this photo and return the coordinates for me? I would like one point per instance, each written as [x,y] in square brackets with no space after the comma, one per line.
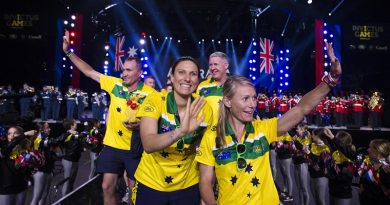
[131,72]
[185,78]
[243,103]
[218,68]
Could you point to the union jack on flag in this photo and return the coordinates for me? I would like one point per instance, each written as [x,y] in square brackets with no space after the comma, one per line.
[119,53]
[266,45]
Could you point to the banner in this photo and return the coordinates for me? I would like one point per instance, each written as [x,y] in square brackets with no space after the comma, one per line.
[367,37]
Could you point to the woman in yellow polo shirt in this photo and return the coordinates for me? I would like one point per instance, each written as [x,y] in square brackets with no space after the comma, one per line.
[172,125]
[237,152]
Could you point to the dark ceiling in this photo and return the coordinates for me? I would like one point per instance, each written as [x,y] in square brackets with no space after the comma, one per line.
[196,19]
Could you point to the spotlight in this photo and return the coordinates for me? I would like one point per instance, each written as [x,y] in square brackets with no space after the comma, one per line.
[106,47]
[212,40]
[73,17]
[66,22]
[240,42]
[178,41]
[150,36]
[72,34]
[166,37]
[170,38]
[202,39]
[142,41]
[309,1]
[72,24]
[105,62]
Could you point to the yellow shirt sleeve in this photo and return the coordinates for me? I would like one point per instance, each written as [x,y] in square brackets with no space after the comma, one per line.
[204,154]
[269,128]
[107,83]
[151,107]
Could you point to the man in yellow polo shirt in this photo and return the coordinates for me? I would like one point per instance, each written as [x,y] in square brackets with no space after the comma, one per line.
[211,88]
[122,142]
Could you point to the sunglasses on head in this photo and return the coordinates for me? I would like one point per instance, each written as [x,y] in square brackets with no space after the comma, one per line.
[241,161]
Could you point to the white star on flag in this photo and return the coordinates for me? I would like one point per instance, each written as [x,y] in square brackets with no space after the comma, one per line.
[132,51]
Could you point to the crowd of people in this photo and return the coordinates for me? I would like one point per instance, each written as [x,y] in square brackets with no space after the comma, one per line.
[352,109]
[201,143]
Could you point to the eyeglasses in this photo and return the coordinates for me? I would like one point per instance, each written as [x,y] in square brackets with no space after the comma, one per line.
[180,144]
[241,161]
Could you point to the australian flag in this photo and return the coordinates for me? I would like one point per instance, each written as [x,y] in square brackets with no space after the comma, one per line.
[268,59]
[122,47]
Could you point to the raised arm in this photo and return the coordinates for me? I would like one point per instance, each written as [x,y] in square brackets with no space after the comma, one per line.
[78,62]
[311,99]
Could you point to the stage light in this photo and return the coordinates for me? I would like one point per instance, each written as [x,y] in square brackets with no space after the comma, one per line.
[71,42]
[106,47]
[73,17]
[227,39]
[281,58]
[287,59]
[324,47]
[71,67]
[157,39]
[254,78]
[142,50]
[142,41]
[170,38]
[63,66]
[286,83]
[143,34]
[145,72]
[250,61]
[107,54]
[254,69]
[281,71]
[281,52]
[105,62]
[212,40]
[286,75]
[287,51]
[325,32]
[325,24]
[199,42]
[146,58]
[309,1]
[142,59]
[281,78]
[250,75]
[254,52]
[254,61]
[240,42]
[72,24]
[231,40]
[166,38]
[326,56]
[70,75]
[150,36]
[219,42]
[140,13]
[178,41]
[330,14]
[287,67]
[72,50]
[66,22]
[254,43]
[145,65]
[325,64]
[142,76]
[202,40]
[105,66]
[281,84]
[331,35]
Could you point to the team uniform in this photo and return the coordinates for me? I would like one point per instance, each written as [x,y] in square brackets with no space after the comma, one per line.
[252,185]
[122,146]
[170,175]
[212,93]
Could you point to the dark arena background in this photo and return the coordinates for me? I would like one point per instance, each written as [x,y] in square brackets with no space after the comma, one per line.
[105,32]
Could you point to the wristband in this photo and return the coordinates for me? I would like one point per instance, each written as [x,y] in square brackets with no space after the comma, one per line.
[69,53]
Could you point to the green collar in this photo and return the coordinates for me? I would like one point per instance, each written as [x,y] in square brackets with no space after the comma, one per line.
[248,129]
[171,103]
[140,85]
